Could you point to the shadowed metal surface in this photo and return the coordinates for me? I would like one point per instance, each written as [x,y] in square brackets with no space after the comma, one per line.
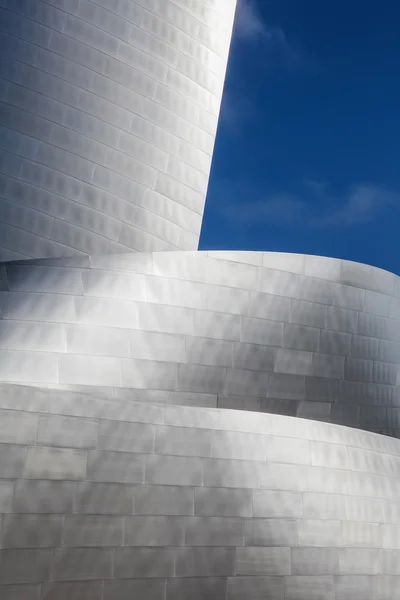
[108,115]
[121,476]
[291,334]
[114,500]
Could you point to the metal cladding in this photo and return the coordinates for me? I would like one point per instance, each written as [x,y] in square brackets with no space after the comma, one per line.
[297,335]
[124,471]
[105,499]
[108,115]
[136,480]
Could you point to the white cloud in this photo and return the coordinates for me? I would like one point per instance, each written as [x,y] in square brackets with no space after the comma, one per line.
[251,26]
[276,51]
[236,110]
[248,22]
[360,204]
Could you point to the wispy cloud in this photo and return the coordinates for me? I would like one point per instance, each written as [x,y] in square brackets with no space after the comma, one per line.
[275,50]
[249,24]
[237,108]
[315,208]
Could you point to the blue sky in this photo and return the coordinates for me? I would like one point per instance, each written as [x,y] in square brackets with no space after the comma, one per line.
[307,157]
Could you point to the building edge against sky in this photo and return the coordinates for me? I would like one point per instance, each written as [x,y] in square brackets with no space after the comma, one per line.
[124,473]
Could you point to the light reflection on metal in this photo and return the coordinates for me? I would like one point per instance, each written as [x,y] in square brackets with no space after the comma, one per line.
[122,473]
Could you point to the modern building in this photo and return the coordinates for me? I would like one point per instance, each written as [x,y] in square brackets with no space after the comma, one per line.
[108,120]
[174,424]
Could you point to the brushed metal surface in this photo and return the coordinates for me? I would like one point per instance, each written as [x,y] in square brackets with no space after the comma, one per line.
[210,527]
[108,116]
[195,328]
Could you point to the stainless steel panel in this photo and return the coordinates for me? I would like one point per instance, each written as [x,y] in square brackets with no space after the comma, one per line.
[117,478]
[114,65]
[319,532]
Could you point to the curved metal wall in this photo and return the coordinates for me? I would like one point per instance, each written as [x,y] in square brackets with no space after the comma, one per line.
[292,334]
[108,114]
[108,117]
[109,500]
